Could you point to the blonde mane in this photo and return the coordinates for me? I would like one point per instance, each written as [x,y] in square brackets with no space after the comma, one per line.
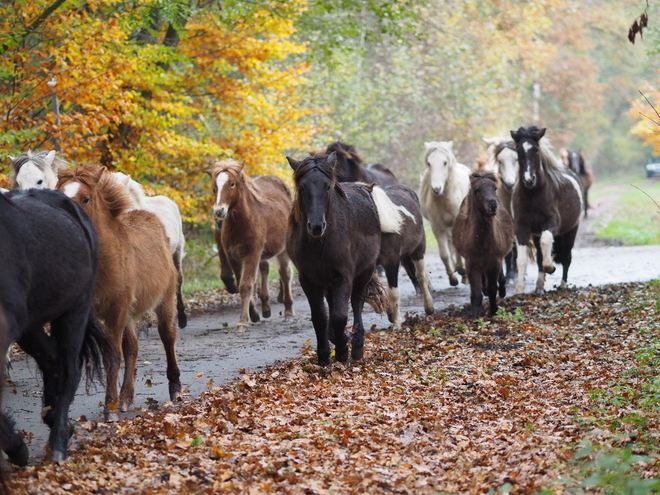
[550,163]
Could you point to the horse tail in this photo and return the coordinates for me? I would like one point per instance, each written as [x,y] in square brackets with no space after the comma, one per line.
[375,293]
[95,344]
[390,214]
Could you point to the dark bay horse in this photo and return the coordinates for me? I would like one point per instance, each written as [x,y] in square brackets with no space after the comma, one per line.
[351,168]
[406,247]
[574,160]
[547,204]
[252,210]
[334,240]
[49,251]
[136,274]
[483,235]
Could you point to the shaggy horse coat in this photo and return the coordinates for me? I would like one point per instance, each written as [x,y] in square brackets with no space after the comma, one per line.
[251,211]
[351,168]
[483,235]
[574,160]
[136,275]
[49,251]
[547,203]
[334,240]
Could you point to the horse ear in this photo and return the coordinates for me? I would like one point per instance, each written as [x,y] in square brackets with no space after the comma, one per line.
[332,159]
[541,133]
[451,145]
[98,173]
[12,158]
[488,141]
[294,163]
[515,135]
[50,158]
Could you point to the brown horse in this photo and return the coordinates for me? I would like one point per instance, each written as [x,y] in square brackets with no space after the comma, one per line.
[574,160]
[252,211]
[136,274]
[483,235]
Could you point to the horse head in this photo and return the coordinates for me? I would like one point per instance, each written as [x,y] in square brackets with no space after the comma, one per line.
[35,170]
[349,166]
[95,189]
[529,154]
[575,161]
[316,181]
[483,191]
[227,177]
[440,161]
[506,158]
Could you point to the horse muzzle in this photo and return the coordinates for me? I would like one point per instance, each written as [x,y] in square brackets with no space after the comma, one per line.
[220,211]
[491,208]
[437,190]
[316,230]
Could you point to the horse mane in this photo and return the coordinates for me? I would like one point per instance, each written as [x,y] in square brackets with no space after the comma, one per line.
[235,168]
[112,192]
[39,159]
[442,147]
[552,165]
[320,162]
[344,150]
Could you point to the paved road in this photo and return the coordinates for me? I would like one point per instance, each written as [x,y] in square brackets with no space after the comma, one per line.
[209,349]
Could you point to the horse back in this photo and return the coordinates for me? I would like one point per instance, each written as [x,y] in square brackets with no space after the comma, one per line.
[380,175]
[412,235]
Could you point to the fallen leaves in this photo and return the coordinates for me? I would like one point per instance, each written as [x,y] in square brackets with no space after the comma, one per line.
[451,406]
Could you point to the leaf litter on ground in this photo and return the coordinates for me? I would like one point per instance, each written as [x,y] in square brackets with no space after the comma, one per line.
[448,405]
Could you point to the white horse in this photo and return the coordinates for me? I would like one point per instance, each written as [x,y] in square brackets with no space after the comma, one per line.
[443,186]
[38,170]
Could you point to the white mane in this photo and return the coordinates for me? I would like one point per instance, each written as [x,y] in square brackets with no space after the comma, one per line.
[445,147]
[551,163]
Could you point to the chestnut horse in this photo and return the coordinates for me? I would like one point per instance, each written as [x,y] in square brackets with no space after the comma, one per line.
[483,235]
[547,204]
[253,231]
[136,275]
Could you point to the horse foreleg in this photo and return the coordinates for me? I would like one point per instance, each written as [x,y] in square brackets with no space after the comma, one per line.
[264,269]
[540,280]
[521,262]
[492,281]
[286,273]
[476,292]
[115,322]
[168,334]
[129,344]
[226,272]
[546,242]
[319,319]
[357,338]
[338,297]
[447,256]
[247,270]
[422,276]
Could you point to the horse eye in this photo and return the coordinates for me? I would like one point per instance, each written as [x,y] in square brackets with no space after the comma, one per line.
[40,181]
[327,188]
[233,184]
[85,201]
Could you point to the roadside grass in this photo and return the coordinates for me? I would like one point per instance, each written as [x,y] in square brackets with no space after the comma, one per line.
[634,218]
[201,266]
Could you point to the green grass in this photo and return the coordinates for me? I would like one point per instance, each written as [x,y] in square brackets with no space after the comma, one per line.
[633,217]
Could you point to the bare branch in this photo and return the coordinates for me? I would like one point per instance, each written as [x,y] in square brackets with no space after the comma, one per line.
[656,204]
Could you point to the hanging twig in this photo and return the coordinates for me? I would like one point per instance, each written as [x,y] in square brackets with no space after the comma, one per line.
[656,204]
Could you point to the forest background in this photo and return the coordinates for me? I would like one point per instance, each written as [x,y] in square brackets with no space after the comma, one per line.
[161,88]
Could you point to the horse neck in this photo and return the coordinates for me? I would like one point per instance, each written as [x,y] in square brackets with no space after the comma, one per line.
[480,222]
[246,199]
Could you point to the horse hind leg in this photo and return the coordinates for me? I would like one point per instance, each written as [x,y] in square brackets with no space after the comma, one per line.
[129,345]
[422,276]
[394,296]
[286,275]
[492,285]
[447,258]
[264,296]
[180,305]
[12,442]
[168,335]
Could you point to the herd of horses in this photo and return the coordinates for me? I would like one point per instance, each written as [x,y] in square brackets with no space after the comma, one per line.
[83,265]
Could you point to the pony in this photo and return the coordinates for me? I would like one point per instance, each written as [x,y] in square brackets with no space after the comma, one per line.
[547,204]
[503,162]
[36,170]
[334,239]
[168,213]
[574,160]
[351,168]
[136,275]
[443,186]
[483,235]
[251,210]
[50,253]
[407,246]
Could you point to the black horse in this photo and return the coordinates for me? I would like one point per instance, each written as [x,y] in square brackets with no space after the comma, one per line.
[406,247]
[333,240]
[575,161]
[49,253]
[547,203]
[351,168]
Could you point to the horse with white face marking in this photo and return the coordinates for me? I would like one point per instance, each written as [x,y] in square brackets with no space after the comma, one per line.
[444,184]
[547,204]
[252,210]
[36,170]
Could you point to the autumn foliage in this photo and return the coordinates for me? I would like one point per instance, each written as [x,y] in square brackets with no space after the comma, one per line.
[154,99]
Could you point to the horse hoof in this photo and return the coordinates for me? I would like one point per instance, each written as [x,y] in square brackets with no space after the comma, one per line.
[429,310]
[288,316]
[324,360]
[342,355]
[124,405]
[111,417]
[183,320]
[549,269]
[57,456]
[241,327]
[266,313]
[254,316]
[453,281]
[357,353]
